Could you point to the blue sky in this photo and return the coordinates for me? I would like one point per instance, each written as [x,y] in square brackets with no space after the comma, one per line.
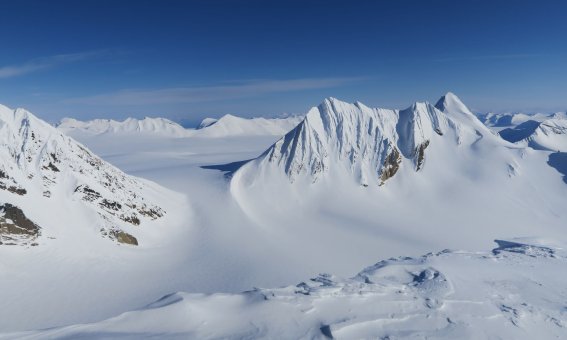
[190,59]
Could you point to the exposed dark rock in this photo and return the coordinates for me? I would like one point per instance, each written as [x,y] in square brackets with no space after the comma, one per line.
[14,225]
[391,165]
[110,204]
[420,154]
[89,194]
[16,190]
[51,167]
[130,219]
[124,237]
[152,213]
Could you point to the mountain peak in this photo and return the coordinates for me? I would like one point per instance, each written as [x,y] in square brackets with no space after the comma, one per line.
[450,103]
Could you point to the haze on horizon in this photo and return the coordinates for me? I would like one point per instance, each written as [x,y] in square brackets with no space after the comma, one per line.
[186,60]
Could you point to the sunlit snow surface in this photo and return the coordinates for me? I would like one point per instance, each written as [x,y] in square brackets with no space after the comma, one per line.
[517,291]
[224,241]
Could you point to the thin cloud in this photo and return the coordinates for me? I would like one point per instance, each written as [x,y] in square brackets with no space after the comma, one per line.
[211,93]
[489,57]
[45,63]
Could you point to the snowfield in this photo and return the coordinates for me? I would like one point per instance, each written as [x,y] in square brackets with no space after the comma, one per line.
[270,202]
[517,291]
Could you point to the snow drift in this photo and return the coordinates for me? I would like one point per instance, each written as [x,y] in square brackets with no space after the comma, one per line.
[507,293]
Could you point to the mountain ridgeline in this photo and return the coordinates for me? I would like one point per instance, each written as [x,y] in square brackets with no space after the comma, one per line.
[371,143]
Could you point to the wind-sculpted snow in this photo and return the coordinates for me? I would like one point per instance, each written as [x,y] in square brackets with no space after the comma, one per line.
[517,291]
[41,166]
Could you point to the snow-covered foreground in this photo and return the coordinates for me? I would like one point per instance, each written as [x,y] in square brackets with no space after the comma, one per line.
[517,291]
[465,188]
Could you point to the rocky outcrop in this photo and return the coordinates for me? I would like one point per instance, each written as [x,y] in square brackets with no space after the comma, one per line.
[391,165]
[123,237]
[15,227]
[420,155]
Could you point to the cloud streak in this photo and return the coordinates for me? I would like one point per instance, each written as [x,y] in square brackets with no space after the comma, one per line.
[45,63]
[179,95]
[489,57]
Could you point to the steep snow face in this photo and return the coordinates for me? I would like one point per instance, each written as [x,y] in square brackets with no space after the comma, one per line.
[514,292]
[231,126]
[456,110]
[371,144]
[206,123]
[499,121]
[551,134]
[151,126]
[40,167]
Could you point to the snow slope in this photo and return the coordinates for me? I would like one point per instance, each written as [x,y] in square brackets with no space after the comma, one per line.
[514,292]
[407,179]
[230,126]
[505,120]
[41,167]
[471,188]
[151,126]
[550,134]
[371,144]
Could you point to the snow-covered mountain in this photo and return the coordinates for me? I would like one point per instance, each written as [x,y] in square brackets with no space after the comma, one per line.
[498,121]
[512,119]
[230,126]
[151,126]
[206,123]
[370,144]
[388,172]
[47,178]
[549,134]
[514,292]
[226,126]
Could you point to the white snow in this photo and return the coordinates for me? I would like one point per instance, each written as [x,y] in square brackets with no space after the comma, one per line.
[231,126]
[160,126]
[226,126]
[514,292]
[320,205]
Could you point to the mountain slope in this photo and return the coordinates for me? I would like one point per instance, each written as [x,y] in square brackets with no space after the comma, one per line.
[549,134]
[150,126]
[43,172]
[381,174]
[231,126]
[371,144]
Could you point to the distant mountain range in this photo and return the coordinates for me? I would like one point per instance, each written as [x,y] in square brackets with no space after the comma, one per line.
[226,126]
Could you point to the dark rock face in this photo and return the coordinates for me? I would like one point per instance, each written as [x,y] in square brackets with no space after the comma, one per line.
[420,155]
[124,237]
[9,184]
[391,165]
[15,227]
